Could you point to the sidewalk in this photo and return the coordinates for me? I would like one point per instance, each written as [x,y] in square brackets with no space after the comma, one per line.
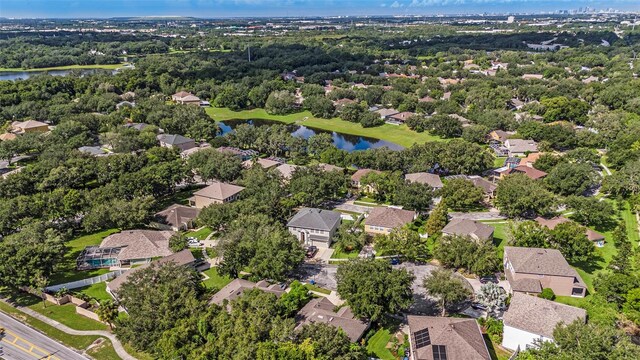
[114,341]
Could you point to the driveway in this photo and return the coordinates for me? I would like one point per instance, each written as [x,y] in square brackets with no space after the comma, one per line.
[351,207]
[423,304]
[475,284]
[323,275]
[492,214]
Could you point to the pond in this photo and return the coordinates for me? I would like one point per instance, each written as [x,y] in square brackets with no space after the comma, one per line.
[342,141]
[23,75]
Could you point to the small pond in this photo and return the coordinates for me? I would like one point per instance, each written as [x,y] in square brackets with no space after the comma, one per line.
[342,141]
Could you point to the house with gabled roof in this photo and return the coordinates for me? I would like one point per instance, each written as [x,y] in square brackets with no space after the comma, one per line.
[520,147]
[426,178]
[29,126]
[185,98]
[444,338]
[593,236]
[216,193]
[471,228]
[382,220]
[531,319]
[529,270]
[322,310]
[176,217]
[359,174]
[237,287]
[314,226]
[176,141]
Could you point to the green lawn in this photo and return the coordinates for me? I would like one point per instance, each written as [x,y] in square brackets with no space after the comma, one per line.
[197,253]
[73,341]
[499,161]
[377,345]
[136,354]
[500,229]
[68,67]
[400,135]
[66,314]
[344,255]
[495,351]
[180,197]
[97,291]
[200,234]
[104,351]
[66,270]
[631,223]
[317,289]
[215,280]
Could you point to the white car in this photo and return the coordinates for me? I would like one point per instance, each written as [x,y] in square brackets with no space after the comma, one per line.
[194,243]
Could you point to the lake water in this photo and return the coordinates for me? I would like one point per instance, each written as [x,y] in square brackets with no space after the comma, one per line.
[342,141]
[23,75]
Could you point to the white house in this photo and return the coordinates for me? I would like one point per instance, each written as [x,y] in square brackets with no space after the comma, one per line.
[530,319]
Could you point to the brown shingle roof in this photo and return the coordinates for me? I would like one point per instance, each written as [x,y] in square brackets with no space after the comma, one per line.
[487,186]
[539,261]
[539,316]
[139,244]
[466,227]
[182,94]
[432,180]
[389,217]
[287,170]
[219,191]
[553,222]
[320,310]
[357,176]
[461,338]
[176,215]
[264,163]
[530,172]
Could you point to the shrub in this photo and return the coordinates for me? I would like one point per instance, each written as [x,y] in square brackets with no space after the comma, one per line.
[548,294]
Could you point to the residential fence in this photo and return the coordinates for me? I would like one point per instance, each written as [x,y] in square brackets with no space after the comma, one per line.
[515,354]
[86,282]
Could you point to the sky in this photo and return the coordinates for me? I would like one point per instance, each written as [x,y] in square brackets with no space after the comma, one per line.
[254,8]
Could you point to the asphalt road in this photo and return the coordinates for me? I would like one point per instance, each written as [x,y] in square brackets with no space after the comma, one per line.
[21,342]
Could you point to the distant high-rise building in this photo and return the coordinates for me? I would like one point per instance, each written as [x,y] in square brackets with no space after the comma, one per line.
[510,19]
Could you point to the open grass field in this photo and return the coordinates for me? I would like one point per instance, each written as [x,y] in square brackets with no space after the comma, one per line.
[66,314]
[67,67]
[200,234]
[500,229]
[66,270]
[344,255]
[215,280]
[103,351]
[400,135]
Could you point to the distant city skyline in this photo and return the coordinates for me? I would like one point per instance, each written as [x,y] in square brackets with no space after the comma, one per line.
[285,8]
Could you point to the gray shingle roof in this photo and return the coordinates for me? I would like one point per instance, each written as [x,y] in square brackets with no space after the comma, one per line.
[176,215]
[461,337]
[310,218]
[237,287]
[139,244]
[219,191]
[539,316]
[465,227]
[432,180]
[174,139]
[539,261]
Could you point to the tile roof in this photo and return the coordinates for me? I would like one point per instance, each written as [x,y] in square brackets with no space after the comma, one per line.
[321,310]
[176,215]
[139,244]
[539,261]
[310,218]
[540,316]
[432,180]
[466,227]
[181,258]
[219,191]
[461,338]
[389,217]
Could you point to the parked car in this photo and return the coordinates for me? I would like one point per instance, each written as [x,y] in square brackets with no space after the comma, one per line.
[311,251]
[194,243]
[394,261]
[489,279]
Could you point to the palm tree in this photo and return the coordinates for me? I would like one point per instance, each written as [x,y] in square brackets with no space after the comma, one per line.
[108,312]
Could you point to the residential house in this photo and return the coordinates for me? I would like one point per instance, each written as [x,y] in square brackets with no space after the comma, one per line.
[244,155]
[181,258]
[487,186]
[530,319]
[531,159]
[385,114]
[122,104]
[185,98]
[340,103]
[516,104]
[126,248]
[137,126]
[216,193]
[426,99]
[29,126]
[463,121]
[314,226]
[359,174]
[532,76]
[321,310]
[530,172]
[499,136]
[529,270]
[471,228]
[264,163]
[187,153]
[329,167]
[444,338]
[593,236]
[286,171]
[520,147]
[432,180]
[382,220]
[176,217]
[237,287]
[128,96]
[176,141]
[8,137]
[401,117]
[512,162]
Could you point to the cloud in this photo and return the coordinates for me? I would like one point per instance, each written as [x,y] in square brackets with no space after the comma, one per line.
[396,5]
